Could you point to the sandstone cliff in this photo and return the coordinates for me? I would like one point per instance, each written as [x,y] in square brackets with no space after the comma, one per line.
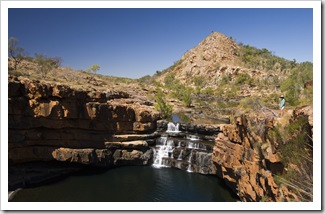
[54,122]
[248,159]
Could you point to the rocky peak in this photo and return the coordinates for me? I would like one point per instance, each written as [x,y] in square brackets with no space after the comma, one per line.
[206,59]
[215,48]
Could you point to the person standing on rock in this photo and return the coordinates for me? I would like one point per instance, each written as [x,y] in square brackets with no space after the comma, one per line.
[282,104]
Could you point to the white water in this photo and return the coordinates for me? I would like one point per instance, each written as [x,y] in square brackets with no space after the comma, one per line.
[193,145]
[164,149]
[171,127]
[180,156]
[181,151]
[189,168]
[192,137]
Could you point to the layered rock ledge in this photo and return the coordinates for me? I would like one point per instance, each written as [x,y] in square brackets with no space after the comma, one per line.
[248,161]
[54,124]
[50,122]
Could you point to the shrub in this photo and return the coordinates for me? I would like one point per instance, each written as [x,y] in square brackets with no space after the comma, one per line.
[306,97]
[224,80]
[232,91]
[170,80]
[243,78]
[262,58]
[186,96]
[198,81]
[182,93]
[295,147]
[15,52]
[46,64]
[92,70]
[162,106]
[208,91]
[250,103]
[294,84]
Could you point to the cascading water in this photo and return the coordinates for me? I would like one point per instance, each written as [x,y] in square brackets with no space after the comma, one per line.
[192,137]
[164,148]
[185,151]
[171,127]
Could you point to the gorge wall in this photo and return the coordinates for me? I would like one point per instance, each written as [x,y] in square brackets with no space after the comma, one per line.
[53,122]
[248,159]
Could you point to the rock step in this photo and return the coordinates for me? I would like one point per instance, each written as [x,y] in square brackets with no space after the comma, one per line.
[138,144]
[133,137]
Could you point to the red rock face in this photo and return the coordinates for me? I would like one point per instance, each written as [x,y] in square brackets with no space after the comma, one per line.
[53,122]
[247,162]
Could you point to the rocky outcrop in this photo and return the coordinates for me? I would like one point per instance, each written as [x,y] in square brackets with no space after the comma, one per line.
[54,122]
[206,58]
[248,160]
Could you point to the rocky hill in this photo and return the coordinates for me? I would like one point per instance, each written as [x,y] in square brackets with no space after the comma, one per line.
[219,58]
[206,58]
[219,76]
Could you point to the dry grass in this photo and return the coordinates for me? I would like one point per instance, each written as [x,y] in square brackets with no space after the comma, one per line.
[76,79]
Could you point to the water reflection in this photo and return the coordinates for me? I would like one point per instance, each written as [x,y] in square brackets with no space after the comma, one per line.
[132,184]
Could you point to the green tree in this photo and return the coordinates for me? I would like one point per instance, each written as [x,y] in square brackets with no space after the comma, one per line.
[15,52]
[186,96]
[162,106]
[294,84]
[46,64]
[92,70]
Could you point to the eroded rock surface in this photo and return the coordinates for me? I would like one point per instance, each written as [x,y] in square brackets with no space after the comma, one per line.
[54,122]
[248,162]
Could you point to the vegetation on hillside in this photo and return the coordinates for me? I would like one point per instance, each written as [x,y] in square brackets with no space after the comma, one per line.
[263,59]
[295,146]
[178,90]
[92,70]
[15,52]
[49,69]
[46,64]
[162,105]
[295,87]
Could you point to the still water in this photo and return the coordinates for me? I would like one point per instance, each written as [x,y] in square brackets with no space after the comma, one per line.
[132,184]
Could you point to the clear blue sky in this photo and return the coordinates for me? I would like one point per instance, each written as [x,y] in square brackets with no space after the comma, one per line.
[137,42]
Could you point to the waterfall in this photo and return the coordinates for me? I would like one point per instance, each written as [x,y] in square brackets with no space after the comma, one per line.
[187,152]
[194,145]
[192,137]
[171,127]
[180,156]
[189,168]
[164,149]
